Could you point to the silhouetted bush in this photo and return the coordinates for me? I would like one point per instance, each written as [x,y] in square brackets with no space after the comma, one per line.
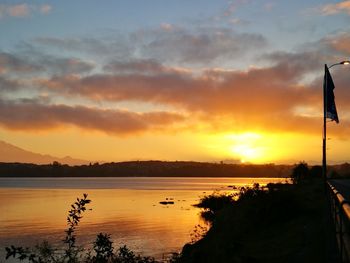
[214,203]
[300,172]
[276,223]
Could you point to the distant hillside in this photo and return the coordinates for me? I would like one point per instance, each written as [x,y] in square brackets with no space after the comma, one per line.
[10,154]
[145,169]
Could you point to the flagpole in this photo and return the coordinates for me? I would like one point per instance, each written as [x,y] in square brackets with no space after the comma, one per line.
[324,145]
[332,116]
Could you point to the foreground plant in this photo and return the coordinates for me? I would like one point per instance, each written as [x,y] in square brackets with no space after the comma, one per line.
[103,250]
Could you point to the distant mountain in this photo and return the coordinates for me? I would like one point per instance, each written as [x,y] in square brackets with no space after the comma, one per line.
[10,153]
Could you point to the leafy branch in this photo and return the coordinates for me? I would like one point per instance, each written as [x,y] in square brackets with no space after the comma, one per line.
[102,247]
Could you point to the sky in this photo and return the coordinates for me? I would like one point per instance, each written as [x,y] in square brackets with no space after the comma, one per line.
[234,81]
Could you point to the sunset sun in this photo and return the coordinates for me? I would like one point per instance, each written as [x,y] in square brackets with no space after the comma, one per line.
[246,152]
[247,147]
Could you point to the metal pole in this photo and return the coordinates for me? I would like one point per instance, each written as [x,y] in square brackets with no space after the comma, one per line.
[324,161]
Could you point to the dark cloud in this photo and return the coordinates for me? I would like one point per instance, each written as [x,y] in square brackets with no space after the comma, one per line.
[44,100]
[145,66]
[14,63]
[142,67]
[28,115]
[302,62]
[65,65]
[8,85]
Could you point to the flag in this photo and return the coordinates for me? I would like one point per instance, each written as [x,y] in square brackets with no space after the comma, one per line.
[328,87]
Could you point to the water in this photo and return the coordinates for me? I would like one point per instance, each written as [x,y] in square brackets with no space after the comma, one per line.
[35,209]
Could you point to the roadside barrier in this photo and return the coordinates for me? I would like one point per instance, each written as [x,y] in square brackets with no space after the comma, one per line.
[340,210]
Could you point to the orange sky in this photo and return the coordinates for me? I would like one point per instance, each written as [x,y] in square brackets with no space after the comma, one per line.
[222,88]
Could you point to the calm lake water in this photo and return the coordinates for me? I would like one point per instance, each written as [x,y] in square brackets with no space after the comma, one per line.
[35,209]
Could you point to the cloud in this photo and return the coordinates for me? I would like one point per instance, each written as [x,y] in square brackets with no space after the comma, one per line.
[206,46]
[258,98]
[45,9]
[151,81]
[301,63]
[8,85]
[22,10]
[284,95]
[142,67]
[66,65]
[14,63]
[146,66]
[329,49]
[167,27]
[233,5]
[251,98]
[336,8]
[202,46]
[28,115]
[38,62]
[238,21]
[338,43]
[117,46]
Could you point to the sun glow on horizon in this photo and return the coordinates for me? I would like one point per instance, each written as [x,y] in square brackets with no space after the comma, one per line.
[260,147]
[254,146]
[247,146]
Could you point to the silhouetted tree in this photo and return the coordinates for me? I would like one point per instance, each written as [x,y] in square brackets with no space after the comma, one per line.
[300,172]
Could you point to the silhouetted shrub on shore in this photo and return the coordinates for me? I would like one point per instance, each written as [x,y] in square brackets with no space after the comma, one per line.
[276,223]
[300,172]
[214,203]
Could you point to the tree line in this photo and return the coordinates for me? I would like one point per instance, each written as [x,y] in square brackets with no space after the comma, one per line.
[145,169]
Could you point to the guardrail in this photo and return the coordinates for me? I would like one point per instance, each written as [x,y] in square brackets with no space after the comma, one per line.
[340,210]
